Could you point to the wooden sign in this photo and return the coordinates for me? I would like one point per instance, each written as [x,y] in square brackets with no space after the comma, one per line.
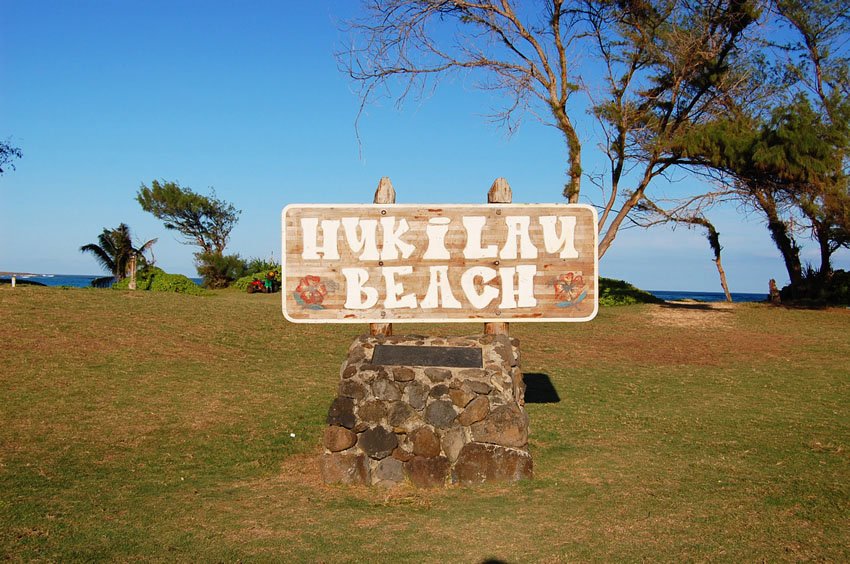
[383,263]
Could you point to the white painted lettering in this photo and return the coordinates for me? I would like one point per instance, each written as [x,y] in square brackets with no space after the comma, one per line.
[564,243]
[392,239]
[367,240]
[311,248]
[439,284]
[395,289]
[488,293]
[357,295]
[523,294]
[474,225]
[518,229]
[436,231]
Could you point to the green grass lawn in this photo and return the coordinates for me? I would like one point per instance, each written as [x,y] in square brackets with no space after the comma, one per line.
[157,426]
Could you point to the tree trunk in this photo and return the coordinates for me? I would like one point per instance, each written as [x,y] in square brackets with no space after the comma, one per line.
[723,283]
[782,236]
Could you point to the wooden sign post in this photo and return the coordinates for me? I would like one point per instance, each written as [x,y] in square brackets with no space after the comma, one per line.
[385,194]
[434,410]
[500,193]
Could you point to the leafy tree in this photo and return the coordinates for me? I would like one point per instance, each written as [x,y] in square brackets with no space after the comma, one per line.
[7,153]
[665,67]
[668,66]
[114,250]
[205,221]
[782,145]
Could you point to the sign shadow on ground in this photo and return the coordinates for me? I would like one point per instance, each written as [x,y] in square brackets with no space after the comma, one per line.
[539,388]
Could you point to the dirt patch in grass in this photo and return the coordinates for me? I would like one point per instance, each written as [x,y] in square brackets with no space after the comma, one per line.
[693,315]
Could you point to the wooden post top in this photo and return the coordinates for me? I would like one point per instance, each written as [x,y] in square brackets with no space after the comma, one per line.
[500,193]
[384,194]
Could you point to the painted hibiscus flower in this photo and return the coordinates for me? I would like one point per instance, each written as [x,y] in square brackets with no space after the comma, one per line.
[569,287]
[311,290]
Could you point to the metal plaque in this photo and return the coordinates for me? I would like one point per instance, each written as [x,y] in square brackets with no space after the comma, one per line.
[407,355]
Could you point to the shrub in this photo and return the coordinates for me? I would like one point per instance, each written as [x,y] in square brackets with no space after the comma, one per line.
[175,283]
[618,292]
[819,291]
[258,265]
[157,280]
[220,271]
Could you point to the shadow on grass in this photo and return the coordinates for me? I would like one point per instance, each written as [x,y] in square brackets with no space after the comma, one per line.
[539,388]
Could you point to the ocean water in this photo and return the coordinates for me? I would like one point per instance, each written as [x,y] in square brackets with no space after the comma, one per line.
[84,281]
[668,295]
[72,280]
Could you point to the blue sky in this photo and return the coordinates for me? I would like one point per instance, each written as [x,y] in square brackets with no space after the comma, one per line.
[102,96]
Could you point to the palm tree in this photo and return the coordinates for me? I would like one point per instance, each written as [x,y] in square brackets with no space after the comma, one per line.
[114,250]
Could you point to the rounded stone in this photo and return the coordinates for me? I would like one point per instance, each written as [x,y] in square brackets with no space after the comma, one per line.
[440,414]
[417,394]
[341,413]
[344,468]
[399,413]
[390,470]
[506,425]
[401,454]
[425,442]
[427,472]
[438,374]
[479,387]
[385,389]
[479,463]
[439,391]
[372,411]
[349,371]
[338,438]
[377,442]
[453,441]
[353,389]
[461,396]
[403,374]
[475,411]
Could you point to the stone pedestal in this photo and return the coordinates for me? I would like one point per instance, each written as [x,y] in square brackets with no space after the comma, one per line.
[431,425]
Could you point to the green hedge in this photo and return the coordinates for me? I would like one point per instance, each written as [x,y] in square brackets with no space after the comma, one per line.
[157,280]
